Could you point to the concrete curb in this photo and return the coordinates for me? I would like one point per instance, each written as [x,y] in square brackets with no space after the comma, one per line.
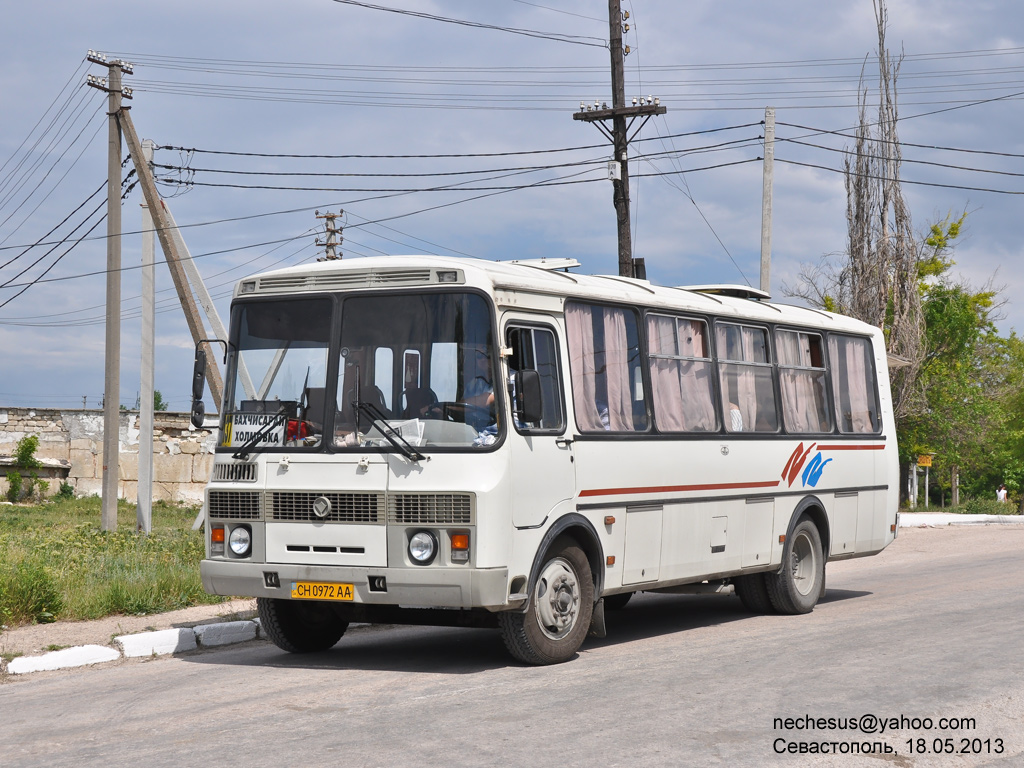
[162,642]
[942,519]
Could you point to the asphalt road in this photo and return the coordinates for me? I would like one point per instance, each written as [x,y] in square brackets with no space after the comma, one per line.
[932,628]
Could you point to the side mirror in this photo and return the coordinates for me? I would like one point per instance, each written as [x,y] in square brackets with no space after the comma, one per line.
[529,403]
[198,413]
[198,382]
[199,375]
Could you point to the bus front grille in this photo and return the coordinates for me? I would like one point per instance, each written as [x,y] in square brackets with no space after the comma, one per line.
[245,473]
[234,505]
[430,508]
[297,506]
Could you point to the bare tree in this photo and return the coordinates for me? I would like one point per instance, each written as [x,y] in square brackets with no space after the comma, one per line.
[876,280]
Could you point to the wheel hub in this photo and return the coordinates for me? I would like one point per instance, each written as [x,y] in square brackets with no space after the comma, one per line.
[558,599]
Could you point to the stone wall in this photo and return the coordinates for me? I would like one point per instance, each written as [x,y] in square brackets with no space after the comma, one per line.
[182,455]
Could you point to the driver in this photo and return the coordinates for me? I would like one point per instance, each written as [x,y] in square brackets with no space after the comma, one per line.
[480,390]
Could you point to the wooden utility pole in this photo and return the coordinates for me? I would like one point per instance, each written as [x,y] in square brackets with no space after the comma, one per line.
[112,347]
[766,200]
[619,134]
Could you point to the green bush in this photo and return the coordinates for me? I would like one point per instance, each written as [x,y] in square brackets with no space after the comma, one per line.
[29,592]
[13,487]
[25,452]
[988,507]
[66,491]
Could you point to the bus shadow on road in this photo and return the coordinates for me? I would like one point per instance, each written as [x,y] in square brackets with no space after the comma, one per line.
[650,615]
[456,650]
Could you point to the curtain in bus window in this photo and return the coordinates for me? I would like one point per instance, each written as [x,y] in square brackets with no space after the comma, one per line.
[681,384]
[599,352]
[620,402]
[579,327]
[802,377]
[748,393]
[852,383]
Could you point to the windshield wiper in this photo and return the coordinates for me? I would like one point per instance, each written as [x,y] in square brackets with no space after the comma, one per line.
[380,421]
[243,452]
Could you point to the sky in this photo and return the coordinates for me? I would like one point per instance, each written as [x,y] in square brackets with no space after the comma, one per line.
[276,83]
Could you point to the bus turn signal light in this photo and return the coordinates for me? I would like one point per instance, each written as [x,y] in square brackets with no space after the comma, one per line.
[460,541]
[217,540]
[609,520]
[782,538]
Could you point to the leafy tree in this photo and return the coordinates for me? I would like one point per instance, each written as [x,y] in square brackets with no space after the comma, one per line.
[159,404]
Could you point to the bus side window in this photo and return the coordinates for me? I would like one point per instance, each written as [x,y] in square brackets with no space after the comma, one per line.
[604,355]
[747,383]
[853,384]
[535,349]
[802,380]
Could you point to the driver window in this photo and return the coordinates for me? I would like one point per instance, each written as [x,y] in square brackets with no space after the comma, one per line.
[535,349]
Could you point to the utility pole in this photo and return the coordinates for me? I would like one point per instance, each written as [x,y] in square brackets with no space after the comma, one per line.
[766,199]
[164,231]
[112,355]
[618,169]
[331,243]
[144,495]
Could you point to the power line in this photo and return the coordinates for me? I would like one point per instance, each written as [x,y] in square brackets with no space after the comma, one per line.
[903,143]
[906,181]
[908,160]
[447,156]
[59,225]
[575,39]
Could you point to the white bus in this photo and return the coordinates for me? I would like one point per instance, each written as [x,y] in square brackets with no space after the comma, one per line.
[416,439]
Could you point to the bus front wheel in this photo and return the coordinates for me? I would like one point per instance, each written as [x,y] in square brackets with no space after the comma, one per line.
[798,584]
[558,616]
[299,626]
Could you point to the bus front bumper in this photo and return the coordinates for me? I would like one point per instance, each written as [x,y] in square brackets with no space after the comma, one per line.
[411,587]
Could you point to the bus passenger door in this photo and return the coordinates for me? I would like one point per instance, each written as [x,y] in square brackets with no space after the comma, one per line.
[543,473]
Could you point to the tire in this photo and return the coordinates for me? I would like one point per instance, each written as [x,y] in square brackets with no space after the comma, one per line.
[753,593]
[798,584]
[557,618]
[299,626]
[617,602]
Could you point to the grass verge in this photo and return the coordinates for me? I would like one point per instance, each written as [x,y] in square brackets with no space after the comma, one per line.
[56,563]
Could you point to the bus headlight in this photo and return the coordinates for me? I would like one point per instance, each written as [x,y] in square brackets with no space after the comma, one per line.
[240,541]
[422,547]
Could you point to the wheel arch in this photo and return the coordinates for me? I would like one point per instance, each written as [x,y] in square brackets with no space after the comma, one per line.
[812,507]
[582,531]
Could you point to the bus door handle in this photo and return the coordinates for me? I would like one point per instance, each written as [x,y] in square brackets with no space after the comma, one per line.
[564,442]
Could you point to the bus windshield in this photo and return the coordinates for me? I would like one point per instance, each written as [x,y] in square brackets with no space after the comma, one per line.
[411,370]
[277,369]
[422,365]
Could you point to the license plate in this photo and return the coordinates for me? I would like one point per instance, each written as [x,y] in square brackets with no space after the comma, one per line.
[321,590]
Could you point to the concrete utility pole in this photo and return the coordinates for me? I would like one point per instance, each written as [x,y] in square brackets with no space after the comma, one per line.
[144,503]
[112,355]
[330,245]
[619,135]
[164,231]
[766,200]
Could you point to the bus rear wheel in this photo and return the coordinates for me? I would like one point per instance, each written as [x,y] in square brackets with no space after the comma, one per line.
[798,584]
[753,593]
[558,616]
[300,626]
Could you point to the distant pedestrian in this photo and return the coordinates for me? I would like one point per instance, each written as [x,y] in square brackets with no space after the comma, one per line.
[1001,493]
